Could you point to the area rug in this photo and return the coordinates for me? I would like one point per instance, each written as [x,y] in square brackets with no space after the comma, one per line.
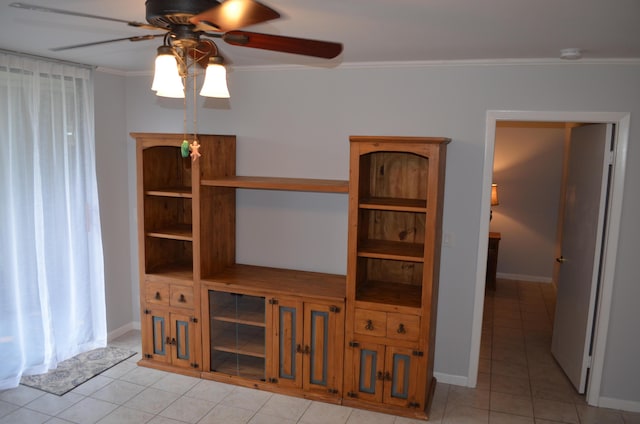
[75,371]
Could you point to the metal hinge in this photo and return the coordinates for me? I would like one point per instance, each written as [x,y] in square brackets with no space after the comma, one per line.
[193,365]
[147,356]
[332,391]
[272,380]
[273,301]
[334,309]
[414,405]
[147,312]
[352,394]
[418,353]
[589,361]
[354,344]
[193,319]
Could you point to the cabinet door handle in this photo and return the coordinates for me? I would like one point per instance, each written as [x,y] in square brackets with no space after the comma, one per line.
[299,349]
[369,325]
[158,296]
[182,299]
[168,340]
[380,375]
[307,350]
[387,376]
[174,342]
[401,329]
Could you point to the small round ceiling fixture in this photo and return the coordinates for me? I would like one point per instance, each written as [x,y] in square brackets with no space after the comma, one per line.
[570,54]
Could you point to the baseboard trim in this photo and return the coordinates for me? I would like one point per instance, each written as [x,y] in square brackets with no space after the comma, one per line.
[522,277]
[135,325]
[456,380]
[624,405]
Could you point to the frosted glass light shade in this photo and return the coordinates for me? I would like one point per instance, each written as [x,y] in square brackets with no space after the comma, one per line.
[166,79]
[215,82]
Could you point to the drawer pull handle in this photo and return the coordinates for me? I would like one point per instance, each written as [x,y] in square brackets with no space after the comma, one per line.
[182,299]
[158,297]
[369,325]
[401,329]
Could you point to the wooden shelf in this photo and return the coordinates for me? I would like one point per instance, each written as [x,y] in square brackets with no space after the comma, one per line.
[287,184]
[253,318]
[394,250]
[177,232]
[393,204]
[250,343]
[389,293]
[169,272]
[241,366]
[184,192]
[263,281]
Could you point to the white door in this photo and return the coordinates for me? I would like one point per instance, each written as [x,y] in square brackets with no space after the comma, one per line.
[582,235]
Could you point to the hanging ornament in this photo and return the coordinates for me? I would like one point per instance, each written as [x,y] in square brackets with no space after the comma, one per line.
[184,148]
[195,154]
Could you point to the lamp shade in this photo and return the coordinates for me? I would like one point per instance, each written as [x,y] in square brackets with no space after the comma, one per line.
[166,79]
[494,195]
[215,81]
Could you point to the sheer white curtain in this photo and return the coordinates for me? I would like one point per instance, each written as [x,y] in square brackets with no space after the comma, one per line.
[52,302]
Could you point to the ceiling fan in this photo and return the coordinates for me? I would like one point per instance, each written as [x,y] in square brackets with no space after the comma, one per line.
[186,22]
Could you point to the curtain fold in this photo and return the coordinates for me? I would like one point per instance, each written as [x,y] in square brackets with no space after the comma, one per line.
[52,301]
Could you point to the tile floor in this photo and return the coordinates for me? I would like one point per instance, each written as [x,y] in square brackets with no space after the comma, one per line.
[519,383]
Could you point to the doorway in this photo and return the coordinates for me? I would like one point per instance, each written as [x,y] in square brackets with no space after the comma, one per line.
[610,240]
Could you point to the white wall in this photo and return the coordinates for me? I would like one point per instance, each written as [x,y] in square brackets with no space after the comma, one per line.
[113,180]
[296,122]
[527,167]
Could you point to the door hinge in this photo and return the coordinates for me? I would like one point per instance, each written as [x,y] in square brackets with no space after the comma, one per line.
[273,301]
[418,353]
[354,344]
[193,320]
[332,391]
[414,405]
[352,394]
[193,365]
[148,356]
[272,380]
[589,361]
[147,312]
[334,309]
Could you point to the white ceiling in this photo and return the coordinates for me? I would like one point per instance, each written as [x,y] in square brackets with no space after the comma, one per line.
[371,30]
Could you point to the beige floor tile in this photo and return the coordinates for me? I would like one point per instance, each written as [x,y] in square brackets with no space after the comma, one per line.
[24,416]
[591,415]
[502,418]
[52,404]
[124,415]
[510,404]
[21,395]
[466,415]
[509,369]
[88,410]
[555,411]
[512,385]
[285,407]
[227,415]
[326,413]
[186,409]
[152,400]
[464,396]
[118,392]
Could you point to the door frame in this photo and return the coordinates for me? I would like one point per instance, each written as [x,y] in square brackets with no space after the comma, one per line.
[611,237]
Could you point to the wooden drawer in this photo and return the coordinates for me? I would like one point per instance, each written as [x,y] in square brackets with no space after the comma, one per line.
[403,326]
[371,323]
[156,293]
[387,324]
[181,296]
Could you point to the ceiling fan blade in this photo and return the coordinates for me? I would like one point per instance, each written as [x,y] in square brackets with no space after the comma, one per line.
[97,43]
[82,15]
[279,43]
[234,14]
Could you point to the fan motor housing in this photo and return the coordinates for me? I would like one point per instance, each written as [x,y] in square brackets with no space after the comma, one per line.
[167,13]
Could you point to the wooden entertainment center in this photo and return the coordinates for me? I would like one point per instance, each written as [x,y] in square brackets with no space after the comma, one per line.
[365,339]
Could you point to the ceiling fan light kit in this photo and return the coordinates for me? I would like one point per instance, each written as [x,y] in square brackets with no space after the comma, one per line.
[167,81]
[215,79]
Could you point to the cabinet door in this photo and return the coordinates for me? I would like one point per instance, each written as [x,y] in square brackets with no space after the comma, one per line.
[183,341]
[323,347]
[288,342]
[402,372]
[156,336]
[367,372]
